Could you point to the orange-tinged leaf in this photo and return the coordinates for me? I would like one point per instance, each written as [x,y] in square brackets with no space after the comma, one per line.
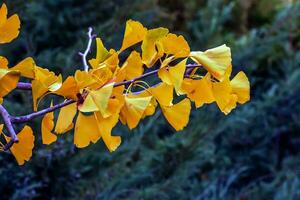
[199,91]
[3,63]
[178,115]
[134,109]
[241,87]
[22,150]
[215,61]
[9,27]
[86,130]
[8,81]
[26,67]
[149,53]
[134,33]
[68,89]
[47,126]
[175,45]
[1,128]
[65,118]
[105,126]
[133,66]
[97,100]
[163,93]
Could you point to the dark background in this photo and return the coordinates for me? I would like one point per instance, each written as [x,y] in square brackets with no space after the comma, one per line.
[254,153]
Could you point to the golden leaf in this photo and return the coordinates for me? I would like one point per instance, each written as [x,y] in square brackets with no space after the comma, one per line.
[149,53]
[65,118]
[9,27]
[215,61]
[134,33]
[178,115]
[86,130]
[22,150]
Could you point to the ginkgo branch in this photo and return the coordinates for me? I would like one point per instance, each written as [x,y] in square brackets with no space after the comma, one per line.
[87,50]
[8,124]
[28,117]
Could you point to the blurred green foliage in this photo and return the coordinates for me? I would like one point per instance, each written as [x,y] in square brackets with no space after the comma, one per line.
[251,154]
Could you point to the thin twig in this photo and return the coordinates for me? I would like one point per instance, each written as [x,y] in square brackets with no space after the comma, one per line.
[8,124]
[87,50]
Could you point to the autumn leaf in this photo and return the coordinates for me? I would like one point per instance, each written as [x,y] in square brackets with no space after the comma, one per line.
[8,81]
[134,109]
[178,115]
[22,150]
[65,118]
[47,126]
[9,27]
[215,61]
[150,51]
[86,130]
[134,33]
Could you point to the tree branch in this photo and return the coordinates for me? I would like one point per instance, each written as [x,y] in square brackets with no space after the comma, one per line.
[87,50]
[31,116]
[189,67]
[8,124]
[28,117]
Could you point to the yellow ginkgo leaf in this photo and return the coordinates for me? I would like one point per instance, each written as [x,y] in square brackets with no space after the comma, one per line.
[215,61]
[97,100]
[178,115]
[163,93]
[102,75]
[134,109]
[84,79]
[112,60]
[174,75]
[38,90]
[55,85]
[105,126]
[9,27]
[86,130]
[65,118]
[223,95]
[8,81]
[22,150]
[231,104]
[26,67]
[150,110]
[133,66]
[1,128]
[134,33]
[199,91]
[175,45]
[47,126]
[3,63]
[68,89]
[149,49]
[241,87]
